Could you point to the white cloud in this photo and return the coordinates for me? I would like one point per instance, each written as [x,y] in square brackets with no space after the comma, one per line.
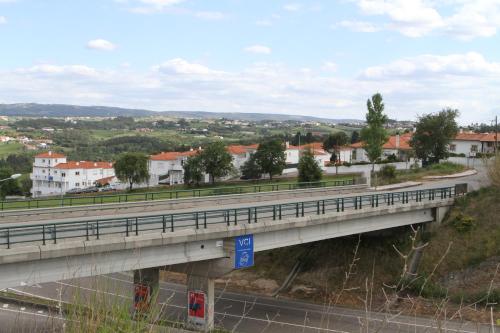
[152,6]
[49,69]
[416,18]
[101,44]
[181,66]
[468,64]
[3,20]
[258,49]
[410,86]
[359,26]
[212,16]
[292,7]
[263,23]
[330,66]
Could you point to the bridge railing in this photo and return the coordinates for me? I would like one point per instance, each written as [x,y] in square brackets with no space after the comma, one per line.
[95,229]
[65,201]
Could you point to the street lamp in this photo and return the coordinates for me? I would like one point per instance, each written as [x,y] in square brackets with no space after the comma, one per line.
[14,176]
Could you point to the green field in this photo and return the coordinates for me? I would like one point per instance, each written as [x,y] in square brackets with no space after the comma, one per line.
[7,148]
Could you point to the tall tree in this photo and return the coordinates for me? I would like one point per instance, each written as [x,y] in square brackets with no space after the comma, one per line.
[216,161]
[132,168]
[433,134]
[251,169]
[355,137]
[374,134]
[271,158]
[8,186]
[335,140]
[193,170]
[309,169]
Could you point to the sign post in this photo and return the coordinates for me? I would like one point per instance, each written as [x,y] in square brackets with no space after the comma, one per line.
[243,251]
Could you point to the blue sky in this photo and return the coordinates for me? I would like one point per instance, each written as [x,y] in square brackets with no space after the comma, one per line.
[322,58]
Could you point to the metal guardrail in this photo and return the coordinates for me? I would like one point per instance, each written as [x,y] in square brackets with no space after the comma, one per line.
[94,229]
[165,195]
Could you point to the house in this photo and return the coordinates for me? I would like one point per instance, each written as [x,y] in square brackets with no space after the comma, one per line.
[293,153]
[53,174]
[470,143]
[168,166]
[396,145]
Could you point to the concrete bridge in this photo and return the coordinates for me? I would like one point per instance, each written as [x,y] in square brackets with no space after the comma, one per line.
[202,242]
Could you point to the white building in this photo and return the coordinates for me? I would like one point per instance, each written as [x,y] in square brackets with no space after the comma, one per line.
[470,143]
[397,145]
[168,166]
[54,175]
[293,154]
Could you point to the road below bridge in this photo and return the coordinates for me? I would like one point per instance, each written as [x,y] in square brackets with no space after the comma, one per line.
[233,311]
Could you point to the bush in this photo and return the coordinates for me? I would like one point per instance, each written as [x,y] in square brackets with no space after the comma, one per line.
[388,172]
[463,223]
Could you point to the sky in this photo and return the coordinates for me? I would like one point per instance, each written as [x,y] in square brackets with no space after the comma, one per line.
[319,58]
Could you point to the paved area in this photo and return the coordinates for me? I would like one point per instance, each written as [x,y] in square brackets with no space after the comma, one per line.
[251,313]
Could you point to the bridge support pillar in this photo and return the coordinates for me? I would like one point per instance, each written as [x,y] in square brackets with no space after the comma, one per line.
[200,298]
[146,286]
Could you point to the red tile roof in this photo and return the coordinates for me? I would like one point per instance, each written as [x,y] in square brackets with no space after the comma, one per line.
[490,137]
[172,155]
[84,165]
[471,136]
[467,136]
[50,154]
[105,181]
[241,149]
[404,142]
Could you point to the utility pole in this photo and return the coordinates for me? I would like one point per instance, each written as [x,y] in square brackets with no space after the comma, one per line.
[496,134]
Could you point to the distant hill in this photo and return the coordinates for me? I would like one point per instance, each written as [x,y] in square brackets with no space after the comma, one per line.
[63,110]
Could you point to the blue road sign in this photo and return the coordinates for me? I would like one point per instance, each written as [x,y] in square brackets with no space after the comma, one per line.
[243,251]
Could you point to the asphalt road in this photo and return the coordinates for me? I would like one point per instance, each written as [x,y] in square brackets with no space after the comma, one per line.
[233,311]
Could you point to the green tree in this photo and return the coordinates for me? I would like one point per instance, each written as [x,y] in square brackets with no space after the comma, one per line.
[9,186]
[132,168]
[355,137]
[433,134]
[309,169]
[251,169]
[374,134]
[216,161]
[271,158]
[193,170]
[335,140]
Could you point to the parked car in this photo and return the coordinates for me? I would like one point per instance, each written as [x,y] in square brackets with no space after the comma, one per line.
[75,190]
[107,188]
[91,189]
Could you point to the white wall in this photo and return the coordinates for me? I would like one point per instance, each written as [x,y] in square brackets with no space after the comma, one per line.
[464,147]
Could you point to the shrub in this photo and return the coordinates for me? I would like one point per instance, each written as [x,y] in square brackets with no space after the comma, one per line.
[463,223]
[388,172]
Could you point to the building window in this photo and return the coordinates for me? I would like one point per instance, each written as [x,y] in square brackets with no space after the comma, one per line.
[473,148]
[77,173]
[63,174]
[43,171]
[77,184]
[453,147]
[354,154]
[43,161]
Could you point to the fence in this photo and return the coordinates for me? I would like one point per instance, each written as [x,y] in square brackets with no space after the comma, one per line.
[165,195]
[94,229]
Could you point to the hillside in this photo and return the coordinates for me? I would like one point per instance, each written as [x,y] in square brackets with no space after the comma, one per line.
[62,110]
[459,270]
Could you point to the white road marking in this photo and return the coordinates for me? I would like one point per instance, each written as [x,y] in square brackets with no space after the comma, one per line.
[279,322]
